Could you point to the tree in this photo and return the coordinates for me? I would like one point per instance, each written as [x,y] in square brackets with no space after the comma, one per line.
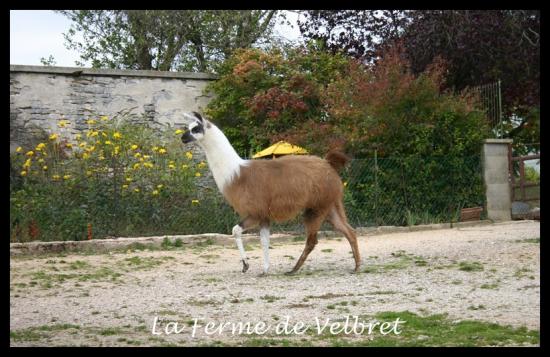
[479,47]
[357,32]
[183,40]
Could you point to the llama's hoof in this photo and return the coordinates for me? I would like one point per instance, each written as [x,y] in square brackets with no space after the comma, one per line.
[245,266]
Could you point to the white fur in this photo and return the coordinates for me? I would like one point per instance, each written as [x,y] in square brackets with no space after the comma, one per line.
[237,232]
[222,159]
[264,238]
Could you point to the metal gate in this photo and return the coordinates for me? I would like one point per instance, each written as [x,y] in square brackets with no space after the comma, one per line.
[525,186]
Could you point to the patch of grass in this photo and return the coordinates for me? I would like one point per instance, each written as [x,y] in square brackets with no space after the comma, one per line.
[456,282]
[401,260]
[79,264]
[168,244]
[478,307]
[145,263]
[39,332]
[110,331]
[326,250]
[470,266]
[438,330]
[299,239]
[489,286]
[271,298]
[528,240]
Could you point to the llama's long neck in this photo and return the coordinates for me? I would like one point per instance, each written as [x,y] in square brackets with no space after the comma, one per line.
[223,160]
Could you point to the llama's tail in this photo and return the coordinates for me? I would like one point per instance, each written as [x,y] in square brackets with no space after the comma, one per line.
[337,159]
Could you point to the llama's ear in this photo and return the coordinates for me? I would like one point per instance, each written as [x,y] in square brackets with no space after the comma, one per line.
[198,116]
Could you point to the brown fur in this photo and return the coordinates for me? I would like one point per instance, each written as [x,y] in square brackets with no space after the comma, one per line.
[278,190]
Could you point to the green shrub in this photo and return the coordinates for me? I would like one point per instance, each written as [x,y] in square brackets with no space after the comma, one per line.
[116,179]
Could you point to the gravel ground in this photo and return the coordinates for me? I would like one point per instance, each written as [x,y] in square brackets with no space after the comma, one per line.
[488,273]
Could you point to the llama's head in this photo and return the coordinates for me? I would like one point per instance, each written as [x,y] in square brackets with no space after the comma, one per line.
[195,128]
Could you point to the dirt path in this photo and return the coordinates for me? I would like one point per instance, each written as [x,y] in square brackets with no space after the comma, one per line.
[488,273]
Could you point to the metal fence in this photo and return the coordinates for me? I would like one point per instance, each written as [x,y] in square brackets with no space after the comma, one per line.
[491,101]
[378,192]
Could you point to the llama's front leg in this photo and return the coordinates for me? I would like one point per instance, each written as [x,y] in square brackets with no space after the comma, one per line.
[237,233]
[264,238]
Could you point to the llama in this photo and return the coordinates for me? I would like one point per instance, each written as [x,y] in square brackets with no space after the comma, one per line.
[265,191]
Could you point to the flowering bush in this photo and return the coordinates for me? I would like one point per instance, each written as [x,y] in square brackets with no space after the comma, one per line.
[113,179]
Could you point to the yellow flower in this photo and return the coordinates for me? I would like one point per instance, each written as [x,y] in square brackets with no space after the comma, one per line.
[136,166]
[90,121]
[195,202]
[40,160]
[56,177]
[102,157]
[108,142]
[155,192]
[148,164]
[137,154]
[117,135]
[103,134]
[146,156]
[45,168]
[162,151]
[197,174]
[155,148]
[29,153]
[179,131]
[90,149]
[40,146]
[94,133]
[128,179]
[345,183]
[82,145]
[201,165]
[88,173]
[27,163]
[184,167]
[117,149]
[78,136]
[69,145]
[160,186]
[136,189]
[141,159]
[66,177]
[124,186]
[134,147]
[104,118]
[63,123]
[53,136]
[19,149]
[171,166]
[189,155]
[23,173]
[85,156]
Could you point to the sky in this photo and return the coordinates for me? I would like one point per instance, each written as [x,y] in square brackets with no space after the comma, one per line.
[39,33]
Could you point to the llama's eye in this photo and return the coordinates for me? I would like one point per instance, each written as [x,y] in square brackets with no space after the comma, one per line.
[196,129]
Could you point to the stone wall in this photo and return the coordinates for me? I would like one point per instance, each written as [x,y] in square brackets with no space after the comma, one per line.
[40,96]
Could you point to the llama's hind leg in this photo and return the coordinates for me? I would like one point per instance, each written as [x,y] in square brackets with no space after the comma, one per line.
[237,233]
[264,238]
[337,217]
[313,221]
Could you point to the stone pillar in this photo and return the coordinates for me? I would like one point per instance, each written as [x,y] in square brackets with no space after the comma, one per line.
[496,176]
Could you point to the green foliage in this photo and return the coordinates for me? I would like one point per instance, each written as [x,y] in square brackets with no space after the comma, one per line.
[182,40]
[428,141]
[264,96]
[116,179]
